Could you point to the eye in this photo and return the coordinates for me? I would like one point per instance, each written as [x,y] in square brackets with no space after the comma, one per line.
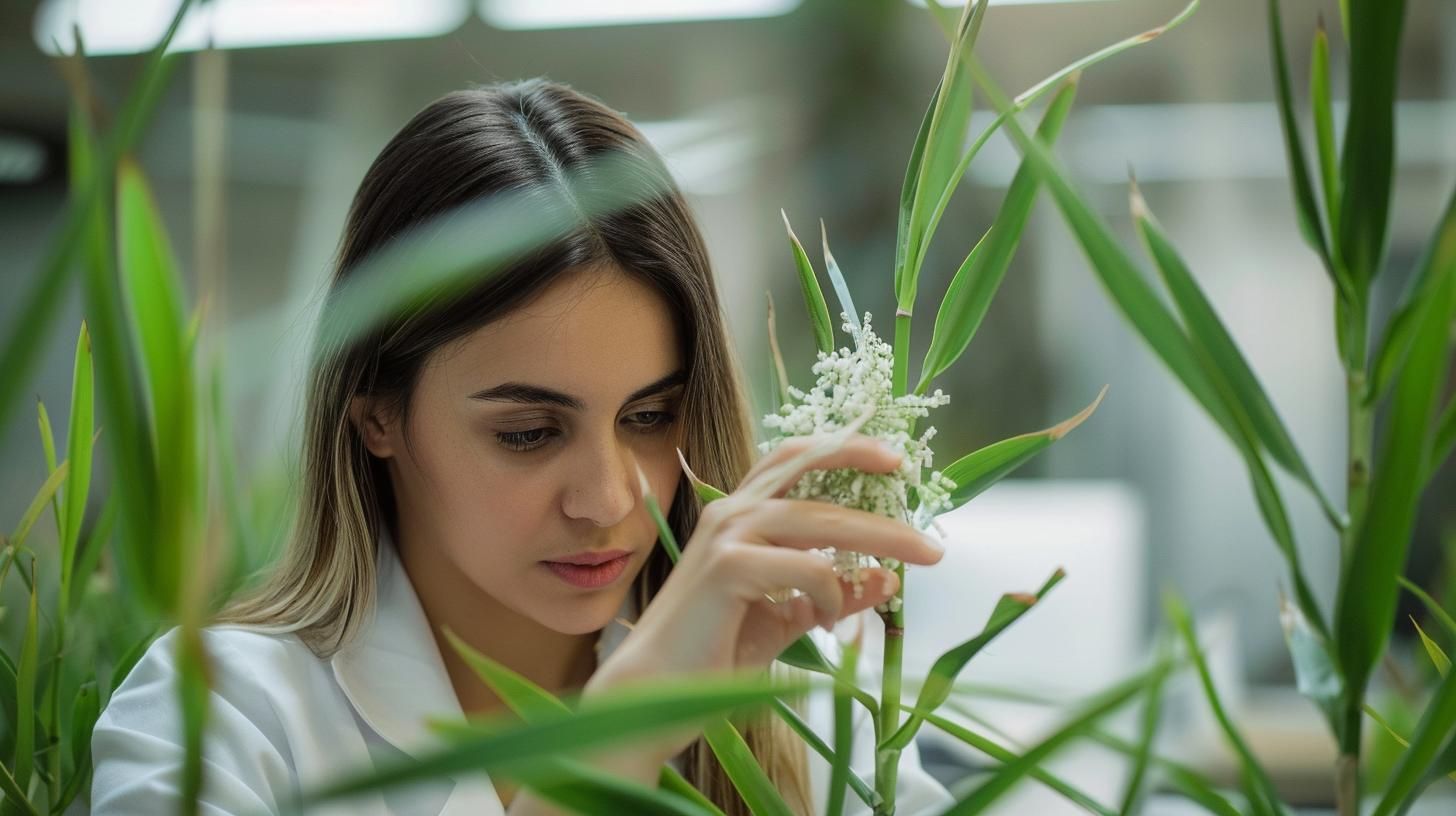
[524,440]
[654,420]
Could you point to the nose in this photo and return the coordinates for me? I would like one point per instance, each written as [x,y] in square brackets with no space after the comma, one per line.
[603,485]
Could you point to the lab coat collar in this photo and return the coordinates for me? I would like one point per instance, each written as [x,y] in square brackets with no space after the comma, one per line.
[392,671]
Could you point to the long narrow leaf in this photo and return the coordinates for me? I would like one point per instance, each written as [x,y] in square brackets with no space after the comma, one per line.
[1413,772]
[1125,284]
[1205,329]
[26,672]
[21,349]
[38,504]
[979,470]
[499,743]
[1324,132]
[1433,650]
[813,296]
[1365,606]
[817,744]
[744,771]
[1368,160]
[1299,178]
[948,666]
[1003,755]
[529,700]
[1263,787]
[976,282]
[1431,604]
[1439,258]
[836,279]
[78,453]
[1085,717]
[1152,712]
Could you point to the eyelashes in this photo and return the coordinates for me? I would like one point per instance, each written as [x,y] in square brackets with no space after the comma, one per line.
[534,438]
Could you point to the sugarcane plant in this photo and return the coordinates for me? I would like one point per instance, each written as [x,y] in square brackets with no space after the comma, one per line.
[1342,209]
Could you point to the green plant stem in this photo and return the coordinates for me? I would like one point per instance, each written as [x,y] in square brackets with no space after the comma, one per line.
[1361,431]
[887,760]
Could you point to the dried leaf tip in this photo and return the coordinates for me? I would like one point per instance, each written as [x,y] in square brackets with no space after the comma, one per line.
[824,237]
[1136,203]
[1023,598]
[1066,427]
[1319,24]
[642,483]
[789,227]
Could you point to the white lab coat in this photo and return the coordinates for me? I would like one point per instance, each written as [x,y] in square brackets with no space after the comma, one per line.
[282,719]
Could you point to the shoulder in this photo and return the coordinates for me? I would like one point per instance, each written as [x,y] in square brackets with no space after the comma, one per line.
[137,742]
[237,657]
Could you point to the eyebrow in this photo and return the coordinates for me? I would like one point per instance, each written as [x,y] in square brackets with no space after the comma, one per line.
[528,394]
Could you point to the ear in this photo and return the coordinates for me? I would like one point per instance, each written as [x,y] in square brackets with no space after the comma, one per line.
[372,428]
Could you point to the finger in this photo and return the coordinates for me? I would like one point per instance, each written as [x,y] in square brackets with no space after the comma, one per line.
[781,468]
[769,629]
[803,524]
[758,570]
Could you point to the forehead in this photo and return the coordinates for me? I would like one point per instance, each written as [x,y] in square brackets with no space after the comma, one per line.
[597,332]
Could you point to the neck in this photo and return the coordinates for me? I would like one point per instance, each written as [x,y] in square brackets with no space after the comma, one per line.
[559,663]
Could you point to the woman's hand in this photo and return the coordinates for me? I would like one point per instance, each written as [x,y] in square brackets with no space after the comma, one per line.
[713,614]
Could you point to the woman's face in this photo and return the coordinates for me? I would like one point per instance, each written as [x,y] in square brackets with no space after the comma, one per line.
[524,438]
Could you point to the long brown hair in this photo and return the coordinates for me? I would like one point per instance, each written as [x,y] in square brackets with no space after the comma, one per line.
[521,138]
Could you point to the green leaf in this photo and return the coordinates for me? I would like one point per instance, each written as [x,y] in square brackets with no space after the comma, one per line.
[1188,783]
[934,159]
[706,492]
[1080,722]
[804,654]
[941,680]
[21,350]
[15,801]
[1432,605]
[1445,440]
[1420,763]
[1433,649]
[1315,673]
[975,283]
[778,376]
[1395,342]
[1324,131]
[977,471]
[1003,755]
[584,789]
[529,700]
[1152,712]
[48,445]
[1369,155]
[836,278]
[820,747]
[499,743]
[1263,793]
[26,672]
[1207,332]
[78,453]
[1365,606]
[1147,314]
[813,296]
[748,777]
[38,504]
[1304,199]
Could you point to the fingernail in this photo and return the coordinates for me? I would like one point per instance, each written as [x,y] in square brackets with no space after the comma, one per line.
[935,543]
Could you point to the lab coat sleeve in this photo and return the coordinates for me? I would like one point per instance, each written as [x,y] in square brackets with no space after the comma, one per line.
[917,793]
[137,745]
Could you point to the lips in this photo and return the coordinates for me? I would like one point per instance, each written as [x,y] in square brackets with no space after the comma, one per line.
[591,559]
[590,576]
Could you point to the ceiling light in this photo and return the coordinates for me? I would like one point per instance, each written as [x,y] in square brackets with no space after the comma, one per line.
[111,27]
[528,14]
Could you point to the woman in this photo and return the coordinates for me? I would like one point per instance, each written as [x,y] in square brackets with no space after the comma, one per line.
[473,463]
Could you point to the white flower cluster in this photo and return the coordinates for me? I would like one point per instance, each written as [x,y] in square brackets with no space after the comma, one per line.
[848,383]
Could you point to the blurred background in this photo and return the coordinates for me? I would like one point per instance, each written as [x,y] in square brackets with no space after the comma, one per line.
[812,106]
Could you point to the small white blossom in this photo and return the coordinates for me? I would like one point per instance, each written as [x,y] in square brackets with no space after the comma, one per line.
[850,382]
